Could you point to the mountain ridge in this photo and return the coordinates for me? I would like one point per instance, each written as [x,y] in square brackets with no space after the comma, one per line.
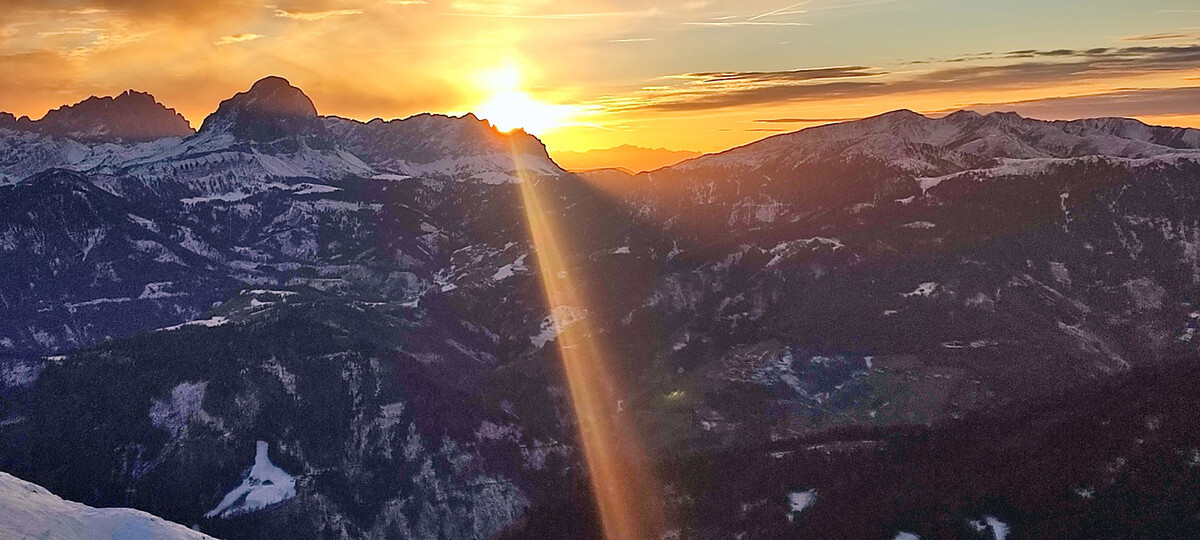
[995,135]
[273,100]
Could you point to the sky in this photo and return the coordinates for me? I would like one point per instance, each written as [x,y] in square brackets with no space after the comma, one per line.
[699,75]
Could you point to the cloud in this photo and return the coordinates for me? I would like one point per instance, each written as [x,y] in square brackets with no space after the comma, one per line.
[316,15]
[1166,36]
[183,11]
[781,16]
[781,12]
[1020,69]
[406,2]
[237,38]
[726,24]
[805,74]
[507,11]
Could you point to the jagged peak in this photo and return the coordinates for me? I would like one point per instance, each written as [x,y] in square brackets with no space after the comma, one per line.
[131,116]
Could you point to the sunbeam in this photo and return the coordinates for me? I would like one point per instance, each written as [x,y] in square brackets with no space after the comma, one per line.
[622,479]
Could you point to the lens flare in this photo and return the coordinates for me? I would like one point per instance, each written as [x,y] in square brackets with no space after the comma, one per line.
[626,490]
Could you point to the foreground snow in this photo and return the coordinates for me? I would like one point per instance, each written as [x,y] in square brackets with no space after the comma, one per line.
[29,511]
[264,486]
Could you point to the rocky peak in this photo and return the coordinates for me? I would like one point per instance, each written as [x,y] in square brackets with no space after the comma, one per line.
[130,117]
[268,110]
[273,96]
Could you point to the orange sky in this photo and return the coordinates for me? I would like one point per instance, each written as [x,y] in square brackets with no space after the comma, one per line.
[699,75]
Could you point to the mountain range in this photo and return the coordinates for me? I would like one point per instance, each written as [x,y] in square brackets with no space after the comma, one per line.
[353,311]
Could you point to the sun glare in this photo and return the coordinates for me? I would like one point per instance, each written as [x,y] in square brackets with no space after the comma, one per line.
[508,107]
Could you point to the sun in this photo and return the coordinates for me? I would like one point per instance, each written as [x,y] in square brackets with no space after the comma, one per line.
[507,106]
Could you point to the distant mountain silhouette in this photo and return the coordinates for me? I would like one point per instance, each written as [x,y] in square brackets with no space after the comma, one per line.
[632,158]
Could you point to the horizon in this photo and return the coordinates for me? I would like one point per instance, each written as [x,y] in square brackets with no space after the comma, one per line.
[616,74]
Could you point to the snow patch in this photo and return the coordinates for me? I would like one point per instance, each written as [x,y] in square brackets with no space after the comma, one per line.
[391,177]
[509,270]
[925,289]
[157,290]
[264,485]
[553,324]
[309,189]
[998,528]
[223,197]
[798,501]
[930,183]
[96,302]
[210,323]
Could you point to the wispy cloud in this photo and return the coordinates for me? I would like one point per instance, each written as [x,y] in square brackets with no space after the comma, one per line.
[68,32]
[316,15]
[558,16]
[109,40]
[406,2]
[781,12]
[237,38]
[1166,36]
[1015,69]
[804,74]
[775,17]
[629,40]
[802,120]
[725,24]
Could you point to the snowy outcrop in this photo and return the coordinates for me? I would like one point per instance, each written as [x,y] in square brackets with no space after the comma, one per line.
[30,511]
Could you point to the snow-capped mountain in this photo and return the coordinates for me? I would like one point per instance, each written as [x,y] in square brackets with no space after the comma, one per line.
[962,140]
[29,511]
[355,305]
[272,131]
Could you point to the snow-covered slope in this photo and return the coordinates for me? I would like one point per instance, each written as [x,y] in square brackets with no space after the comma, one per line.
[961,140]
[28,511]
